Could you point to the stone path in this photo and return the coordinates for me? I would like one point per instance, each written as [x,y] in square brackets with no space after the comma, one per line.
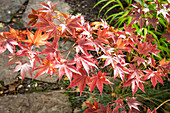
[36,102]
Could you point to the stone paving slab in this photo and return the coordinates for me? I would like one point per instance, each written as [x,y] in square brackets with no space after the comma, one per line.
[37,102]
[61,6]
[8,8]
[5,73]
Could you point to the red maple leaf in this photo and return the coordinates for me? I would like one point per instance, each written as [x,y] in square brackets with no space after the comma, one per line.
[135,79]
[98,80]
[85,61]
[71,23]
[48,7]
[120,69]
[7,43]
[153,21]
[104,109]
[32,55]
[92,108]
[154,75]
[139,60]
[80,80]
[167,34]
[164,67]
[47,26]
[137,18]
[143,48]
[52,50]
[113,59]
[83,46]
[103,36]
[46,67]
[149,37]
[119,104]
[37,39]
[34,17]
[129,29]
[16,34]
[24,68]
[66,67]
[132,103]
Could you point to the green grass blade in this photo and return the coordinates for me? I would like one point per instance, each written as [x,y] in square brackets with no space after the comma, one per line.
[104,7]
[121,5]
[98,3]
[115,15]
[110,9]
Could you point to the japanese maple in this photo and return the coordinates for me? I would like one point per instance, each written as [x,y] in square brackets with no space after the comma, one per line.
[127,53]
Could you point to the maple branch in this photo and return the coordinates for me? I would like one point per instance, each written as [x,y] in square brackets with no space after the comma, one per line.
[70,49]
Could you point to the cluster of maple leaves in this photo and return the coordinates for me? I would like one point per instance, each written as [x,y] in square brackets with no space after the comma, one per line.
[109,44]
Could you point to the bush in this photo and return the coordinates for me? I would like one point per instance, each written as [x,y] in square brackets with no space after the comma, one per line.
[129,54]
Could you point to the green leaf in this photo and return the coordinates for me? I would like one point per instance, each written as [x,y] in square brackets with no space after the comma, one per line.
[116,5]
[104,7]
[120,3]
[98,3]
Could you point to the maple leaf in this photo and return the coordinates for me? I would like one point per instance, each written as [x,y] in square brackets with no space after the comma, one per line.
[48,26]
[137,18]
[139,60]
[48,7]
[153,21]
[119,104]
[13,59]
[135,79]
[118,63]
[129,29]
[120,69]
[154,75]
[66,67]
[151,61]
[98,80]
[34,17]
[103,36]
[167,34]
[37,39]
[71,23]
[16,34]
[52,50]
[149,37]
[79,80]
[153,49]
[7,43]
[113,59]
[85,61]
[132,103]
[120,44]
[24,68]
[143,48]
[164,67]
[104,109]
[32,55]
[46,67]
[92,108]
[83,46]
[98,24]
